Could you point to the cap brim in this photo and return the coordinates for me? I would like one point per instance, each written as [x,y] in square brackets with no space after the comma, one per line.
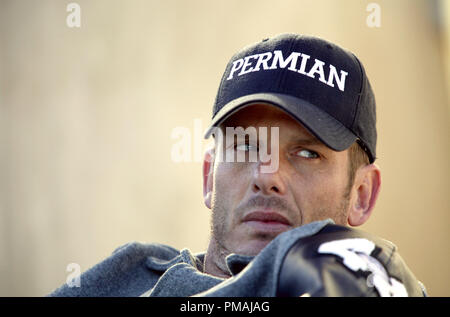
[323,126]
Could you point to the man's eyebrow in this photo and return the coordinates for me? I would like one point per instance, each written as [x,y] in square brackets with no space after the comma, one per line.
[240,130]
[306,141]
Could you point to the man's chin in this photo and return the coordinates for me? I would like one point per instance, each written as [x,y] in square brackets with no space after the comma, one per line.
[252,247]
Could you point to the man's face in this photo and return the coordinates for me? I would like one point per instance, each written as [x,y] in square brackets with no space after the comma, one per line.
[250,207]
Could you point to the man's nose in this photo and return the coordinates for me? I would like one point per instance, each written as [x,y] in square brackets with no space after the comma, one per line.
[268,183]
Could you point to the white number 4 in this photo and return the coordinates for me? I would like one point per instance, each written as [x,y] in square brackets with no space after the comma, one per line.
[355,254]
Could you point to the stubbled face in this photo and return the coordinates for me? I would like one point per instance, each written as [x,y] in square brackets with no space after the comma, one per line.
[250,207]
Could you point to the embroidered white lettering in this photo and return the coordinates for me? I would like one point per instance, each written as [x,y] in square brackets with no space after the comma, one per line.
[247,63]
[340,81]
[262,60]
[236,66]
[278,59]
[317,69]
[303,64]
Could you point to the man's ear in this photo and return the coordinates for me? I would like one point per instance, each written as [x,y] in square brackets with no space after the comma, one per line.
[208,167]
[365,193]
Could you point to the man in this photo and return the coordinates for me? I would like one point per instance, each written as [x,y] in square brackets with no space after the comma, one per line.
[292,165]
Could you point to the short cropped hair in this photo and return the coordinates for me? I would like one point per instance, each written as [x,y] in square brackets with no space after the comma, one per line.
[357,158]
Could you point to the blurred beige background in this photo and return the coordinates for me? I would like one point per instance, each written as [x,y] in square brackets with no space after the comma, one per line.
[86,117]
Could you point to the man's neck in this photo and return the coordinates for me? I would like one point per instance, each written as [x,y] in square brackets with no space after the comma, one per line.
[214,263]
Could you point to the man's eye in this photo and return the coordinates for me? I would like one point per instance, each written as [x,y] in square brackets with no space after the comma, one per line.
[244,147]
[307,154]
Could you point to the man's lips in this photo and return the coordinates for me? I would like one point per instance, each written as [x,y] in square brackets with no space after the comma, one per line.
[266,216]
[266,221]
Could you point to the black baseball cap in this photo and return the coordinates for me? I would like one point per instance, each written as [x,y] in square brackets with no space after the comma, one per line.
[320,84]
